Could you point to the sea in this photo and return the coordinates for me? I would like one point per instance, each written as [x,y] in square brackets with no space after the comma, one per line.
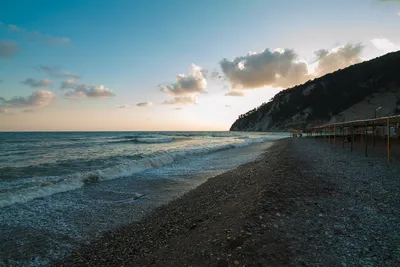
[59,190]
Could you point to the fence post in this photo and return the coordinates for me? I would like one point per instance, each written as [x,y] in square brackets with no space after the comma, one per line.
[366,139]
[352,137]
[388,141]
[334,135]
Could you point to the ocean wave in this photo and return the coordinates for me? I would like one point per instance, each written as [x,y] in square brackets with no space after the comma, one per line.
[26,189]
[144,140]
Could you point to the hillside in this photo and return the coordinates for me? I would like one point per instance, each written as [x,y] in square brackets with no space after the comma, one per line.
[347,94]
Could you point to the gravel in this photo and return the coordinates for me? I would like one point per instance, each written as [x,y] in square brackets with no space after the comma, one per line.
[303,203]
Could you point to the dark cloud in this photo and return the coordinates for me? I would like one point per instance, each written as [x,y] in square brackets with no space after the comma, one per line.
[38,99]
[34,83]
[8,48]
[124,106]
[182,100]
[234,93]
[193,83]
[56,72]
[80,90]
[338,58]
[279,69]
[144,104]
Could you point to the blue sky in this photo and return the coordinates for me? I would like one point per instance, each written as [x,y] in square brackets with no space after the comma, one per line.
[123,51]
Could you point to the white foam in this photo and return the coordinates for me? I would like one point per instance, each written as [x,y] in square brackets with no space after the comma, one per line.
[23,190]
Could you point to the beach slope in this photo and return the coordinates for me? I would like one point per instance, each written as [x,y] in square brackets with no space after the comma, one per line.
[302,203]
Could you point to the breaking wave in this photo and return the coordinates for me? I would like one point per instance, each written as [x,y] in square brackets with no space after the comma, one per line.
[25,189]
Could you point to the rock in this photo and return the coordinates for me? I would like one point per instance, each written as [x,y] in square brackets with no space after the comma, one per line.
[337,230]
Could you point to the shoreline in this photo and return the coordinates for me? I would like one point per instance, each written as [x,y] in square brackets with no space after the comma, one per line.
[279,210]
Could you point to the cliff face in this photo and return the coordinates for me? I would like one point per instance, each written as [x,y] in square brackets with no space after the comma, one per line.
[348,94]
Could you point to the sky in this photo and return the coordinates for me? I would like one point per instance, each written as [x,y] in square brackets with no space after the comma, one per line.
[176,65]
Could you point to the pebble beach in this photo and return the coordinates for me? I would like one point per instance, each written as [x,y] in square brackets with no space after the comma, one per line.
[302,203]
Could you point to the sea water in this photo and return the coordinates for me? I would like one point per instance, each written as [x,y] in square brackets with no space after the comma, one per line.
[59,190]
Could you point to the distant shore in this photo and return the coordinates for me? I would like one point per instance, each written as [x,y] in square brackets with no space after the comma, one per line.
[302,203]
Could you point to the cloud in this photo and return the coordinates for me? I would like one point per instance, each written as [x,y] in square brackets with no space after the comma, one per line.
[14,28]
[234,93]
[281,68]
[394,1]
[56,40]
[3,111]
[8,48]
[385,45]
[181,100]
[35,35]
[144,104]
[124,106]
[193,83]
[38,99]
[80,90]
[34,83]
[338,58]
[55,72]
[255,70]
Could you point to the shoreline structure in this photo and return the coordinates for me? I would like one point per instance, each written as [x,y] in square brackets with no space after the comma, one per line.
[299,204]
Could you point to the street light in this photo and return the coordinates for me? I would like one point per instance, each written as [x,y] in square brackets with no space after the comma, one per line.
[377,110]
[373,130]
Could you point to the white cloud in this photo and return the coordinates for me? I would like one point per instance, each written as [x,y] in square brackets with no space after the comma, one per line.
[338,58]
[8,48]
[255,70]
[385,45]
[193,83]
[55,72]
[38,99]
[34,83]
[144,104]
[234,93]
[281,68]
[80,90]
[181,100]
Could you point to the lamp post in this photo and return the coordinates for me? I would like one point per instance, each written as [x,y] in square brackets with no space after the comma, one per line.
[373,128]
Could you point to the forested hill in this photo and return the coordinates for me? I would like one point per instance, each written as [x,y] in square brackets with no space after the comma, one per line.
[351,93]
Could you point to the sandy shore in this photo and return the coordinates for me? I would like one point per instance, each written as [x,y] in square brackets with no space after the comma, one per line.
[300,204]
